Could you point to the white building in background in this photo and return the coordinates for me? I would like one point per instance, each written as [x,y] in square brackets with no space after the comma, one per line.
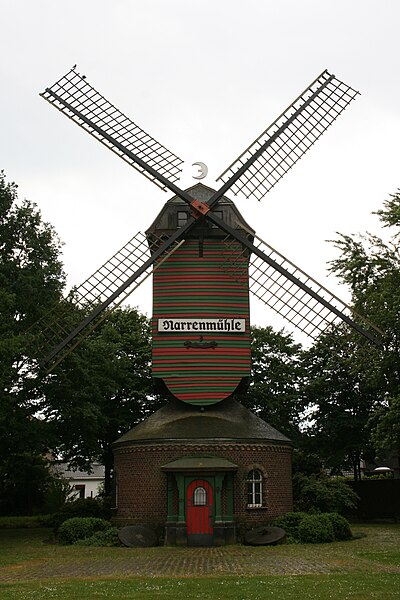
[83,484]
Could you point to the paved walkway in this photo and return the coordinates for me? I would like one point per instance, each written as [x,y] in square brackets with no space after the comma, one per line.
[184,562]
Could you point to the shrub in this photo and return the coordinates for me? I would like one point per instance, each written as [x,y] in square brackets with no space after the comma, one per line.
[108,537]
[83,507]
[316,529]
[341,526]
[290,523]
[79,528]
[57,493]
[24,522]
[45,520]
[320,493]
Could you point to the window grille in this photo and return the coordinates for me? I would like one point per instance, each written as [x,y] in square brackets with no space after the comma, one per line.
[254,489]
[200,497]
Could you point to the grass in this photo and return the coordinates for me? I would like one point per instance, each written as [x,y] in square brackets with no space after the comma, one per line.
[360,569]
[304,587]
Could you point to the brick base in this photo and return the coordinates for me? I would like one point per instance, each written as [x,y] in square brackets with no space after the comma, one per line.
[142,486]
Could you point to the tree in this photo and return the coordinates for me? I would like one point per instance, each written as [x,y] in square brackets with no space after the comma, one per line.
[101,390]
[273,393]
[320,493]
[371,267]
[31,276]
[386,429]
[338,389]
[29,487]
[31,280]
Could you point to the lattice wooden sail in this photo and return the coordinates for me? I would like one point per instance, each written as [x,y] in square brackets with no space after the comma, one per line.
[289,291]
[289,137]
[78,100]
[88,304]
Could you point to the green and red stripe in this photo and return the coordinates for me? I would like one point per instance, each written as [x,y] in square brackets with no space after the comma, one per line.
[192,286]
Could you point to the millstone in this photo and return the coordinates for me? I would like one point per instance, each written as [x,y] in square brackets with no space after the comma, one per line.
[137,536]
[263,536]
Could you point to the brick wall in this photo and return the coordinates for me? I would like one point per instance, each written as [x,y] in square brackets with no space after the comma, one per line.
[142,486]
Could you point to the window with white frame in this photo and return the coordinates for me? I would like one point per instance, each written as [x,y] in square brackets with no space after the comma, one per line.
[254,489]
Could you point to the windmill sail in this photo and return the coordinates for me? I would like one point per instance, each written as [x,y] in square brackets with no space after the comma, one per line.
[88,304]
[289,137]
[294,295]
[79,101]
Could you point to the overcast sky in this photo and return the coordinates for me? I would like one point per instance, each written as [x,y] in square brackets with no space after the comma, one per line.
[205,79]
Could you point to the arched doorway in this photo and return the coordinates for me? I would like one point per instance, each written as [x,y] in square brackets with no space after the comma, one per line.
[200,501]
[199,513]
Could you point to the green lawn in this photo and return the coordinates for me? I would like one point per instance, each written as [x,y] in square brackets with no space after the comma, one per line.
[361,569]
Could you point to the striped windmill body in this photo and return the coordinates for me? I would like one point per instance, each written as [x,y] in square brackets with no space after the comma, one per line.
[201,317]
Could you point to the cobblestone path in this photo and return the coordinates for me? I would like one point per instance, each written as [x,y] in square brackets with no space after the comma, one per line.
[184,562]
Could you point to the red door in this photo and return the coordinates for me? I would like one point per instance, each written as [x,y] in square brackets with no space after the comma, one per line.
[199,513]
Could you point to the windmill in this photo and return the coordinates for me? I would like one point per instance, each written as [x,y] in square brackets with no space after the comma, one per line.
[204,259]
[275,280]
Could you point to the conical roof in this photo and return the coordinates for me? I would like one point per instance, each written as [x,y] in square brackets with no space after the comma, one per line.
[165,222]
[225,421]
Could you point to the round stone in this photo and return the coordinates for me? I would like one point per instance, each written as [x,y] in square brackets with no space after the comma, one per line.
[138,536]
[264,536]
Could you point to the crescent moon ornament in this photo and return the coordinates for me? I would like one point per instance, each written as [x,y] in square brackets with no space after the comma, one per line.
[203,170]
